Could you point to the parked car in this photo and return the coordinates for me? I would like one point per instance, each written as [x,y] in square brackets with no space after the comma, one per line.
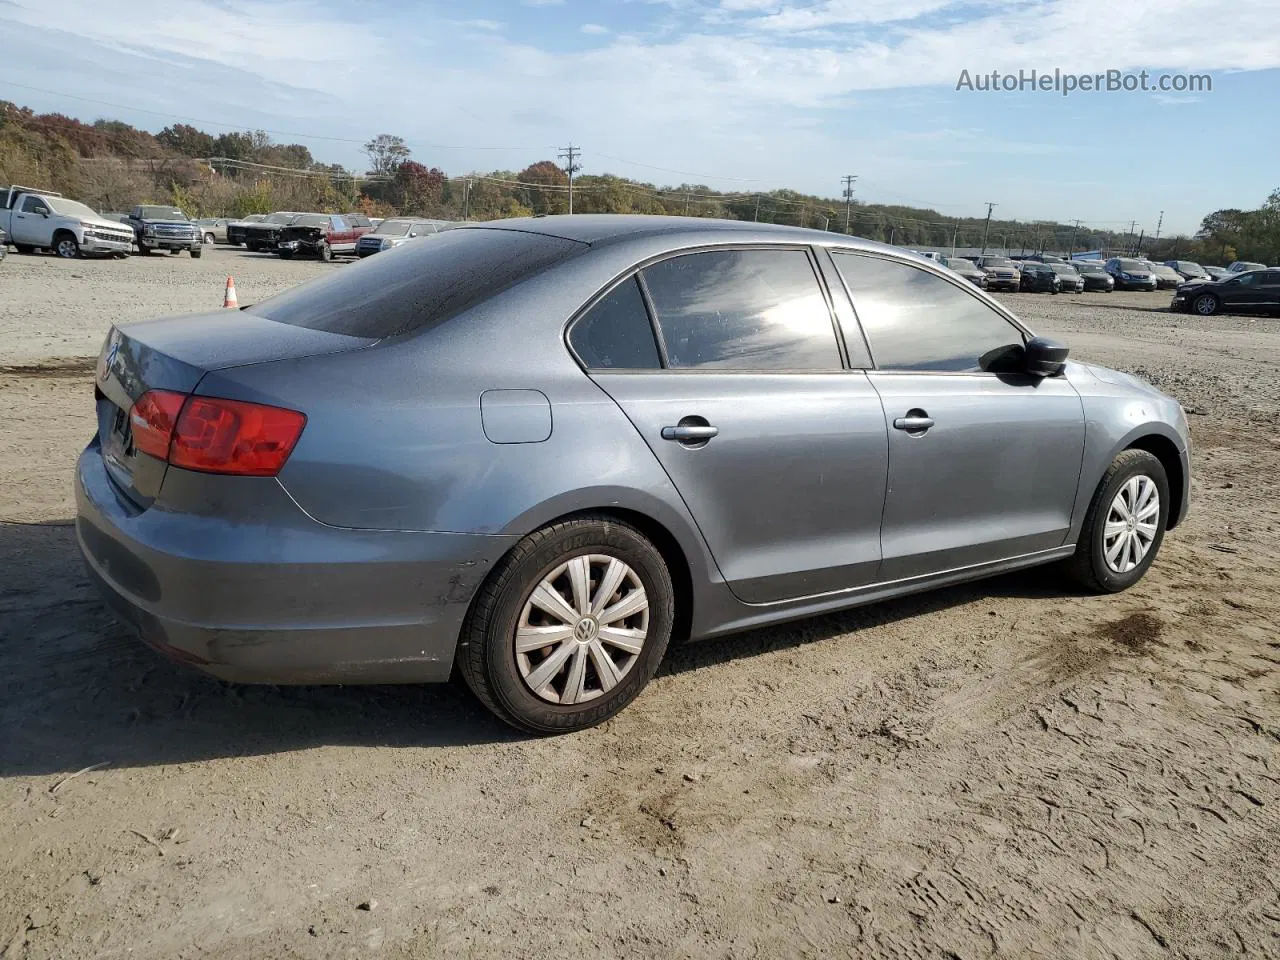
[1130,274]
[1167,278]
[1239,266]
[967,269]
[277,499]
[322,235]
[395,232]
[1249,291]
[1216,273]
[213,229]
[1039,278]
[1044,258]
[237,230]
[1002,273]
[1095,275]
[1188,270]
[265,234]
[166,228]
[42,219]
[1069,278]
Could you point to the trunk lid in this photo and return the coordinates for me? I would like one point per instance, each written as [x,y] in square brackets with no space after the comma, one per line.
[174,354]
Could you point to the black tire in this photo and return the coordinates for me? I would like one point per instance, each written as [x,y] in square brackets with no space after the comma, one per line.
[1206,305]
[253,247]
[24,248]
[1088,566]
[66,246]
[486,655]
[197,252]
[326,253]
[285,254]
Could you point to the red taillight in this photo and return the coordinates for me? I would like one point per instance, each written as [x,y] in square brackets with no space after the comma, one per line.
[152,420]
[213,435]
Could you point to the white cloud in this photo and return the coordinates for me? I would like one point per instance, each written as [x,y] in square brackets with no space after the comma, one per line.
[543,3]
[482,24]
[593,28]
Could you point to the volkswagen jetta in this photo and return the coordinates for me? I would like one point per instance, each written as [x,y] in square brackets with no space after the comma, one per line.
[539,450]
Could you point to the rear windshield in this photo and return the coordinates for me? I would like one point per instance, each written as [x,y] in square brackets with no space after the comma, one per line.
[419,285]
[393,228]
[1131,265]
[1063,268]
[310,220]
[161,213]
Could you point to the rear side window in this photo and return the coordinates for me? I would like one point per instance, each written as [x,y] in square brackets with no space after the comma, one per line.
[915,320]
[615,334]
[743,310]
[421,285]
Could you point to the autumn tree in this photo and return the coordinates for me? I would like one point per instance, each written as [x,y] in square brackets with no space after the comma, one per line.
[386,152]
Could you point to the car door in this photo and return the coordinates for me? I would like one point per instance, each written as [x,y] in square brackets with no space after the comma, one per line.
[983,466]
[1269,291]
[340,236]
[1244,291]
[776,447]
[31,223]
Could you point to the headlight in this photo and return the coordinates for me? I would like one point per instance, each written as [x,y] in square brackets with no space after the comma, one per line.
[148,230]
[387,244]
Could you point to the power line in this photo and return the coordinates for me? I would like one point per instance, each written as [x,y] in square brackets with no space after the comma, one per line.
[567,154]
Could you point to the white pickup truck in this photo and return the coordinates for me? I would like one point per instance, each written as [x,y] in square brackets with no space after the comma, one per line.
[43,219]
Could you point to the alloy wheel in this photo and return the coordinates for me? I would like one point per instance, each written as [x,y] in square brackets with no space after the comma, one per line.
[1131,525]
[582,629]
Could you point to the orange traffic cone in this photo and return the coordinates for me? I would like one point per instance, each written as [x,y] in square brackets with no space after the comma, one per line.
[229,301]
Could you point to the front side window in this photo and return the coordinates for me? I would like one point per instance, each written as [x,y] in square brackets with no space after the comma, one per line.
[758,310]
[916,320]
[33,205]
[339,225]
[615,334]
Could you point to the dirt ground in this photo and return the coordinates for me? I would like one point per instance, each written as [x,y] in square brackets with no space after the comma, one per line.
[1004,769]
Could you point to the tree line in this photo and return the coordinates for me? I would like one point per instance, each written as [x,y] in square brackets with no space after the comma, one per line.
[112,165]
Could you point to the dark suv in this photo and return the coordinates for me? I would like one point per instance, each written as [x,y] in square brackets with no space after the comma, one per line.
[160,227]
[1131,274]
[1252,291]
[322,235]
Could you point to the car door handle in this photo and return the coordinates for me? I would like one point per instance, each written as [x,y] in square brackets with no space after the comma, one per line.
[689,432]
[916,421]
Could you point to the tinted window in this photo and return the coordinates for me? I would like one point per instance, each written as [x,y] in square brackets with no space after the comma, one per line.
[339,225]
[615,333]
[743,310]
[423,285]
[916,320]
[32,205]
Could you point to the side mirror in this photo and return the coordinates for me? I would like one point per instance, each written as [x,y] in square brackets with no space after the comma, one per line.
[1044,357]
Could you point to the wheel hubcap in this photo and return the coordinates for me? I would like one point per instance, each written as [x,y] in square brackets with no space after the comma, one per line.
[66,248]
[582,629]
[1131,524]
[1205,305]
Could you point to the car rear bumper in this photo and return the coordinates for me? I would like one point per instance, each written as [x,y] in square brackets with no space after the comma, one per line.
[1003,283]
[290,602]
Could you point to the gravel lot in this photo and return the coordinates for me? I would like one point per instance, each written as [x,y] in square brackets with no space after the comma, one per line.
[1002,769]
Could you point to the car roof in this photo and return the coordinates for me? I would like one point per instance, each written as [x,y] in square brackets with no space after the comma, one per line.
[604,228]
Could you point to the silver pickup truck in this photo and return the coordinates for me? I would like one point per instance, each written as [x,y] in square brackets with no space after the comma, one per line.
[42,219]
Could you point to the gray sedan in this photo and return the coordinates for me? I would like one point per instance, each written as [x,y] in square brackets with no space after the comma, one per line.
[539,450]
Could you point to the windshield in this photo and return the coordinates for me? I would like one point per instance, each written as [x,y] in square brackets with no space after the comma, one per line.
[1089,266]
[1063,268]
[393,228]
[161,213]
[1132,266]
[311,220]
[281,218]
[1250,266]
[960,263]
[1194,269]
[69,208]
[420,285]
[997,262]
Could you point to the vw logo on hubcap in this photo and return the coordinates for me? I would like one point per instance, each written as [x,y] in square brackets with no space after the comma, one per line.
[586,630]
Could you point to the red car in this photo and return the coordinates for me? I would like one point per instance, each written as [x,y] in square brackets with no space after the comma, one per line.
[322,235]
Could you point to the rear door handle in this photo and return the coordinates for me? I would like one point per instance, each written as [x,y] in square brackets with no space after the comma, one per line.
[688,432]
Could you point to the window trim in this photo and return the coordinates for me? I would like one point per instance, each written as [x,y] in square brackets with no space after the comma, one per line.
[637,269]
[964,287]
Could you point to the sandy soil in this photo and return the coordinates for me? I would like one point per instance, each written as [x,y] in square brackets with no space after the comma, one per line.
[1004,769]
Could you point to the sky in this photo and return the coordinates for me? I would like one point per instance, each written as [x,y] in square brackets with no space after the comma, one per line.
[734,94]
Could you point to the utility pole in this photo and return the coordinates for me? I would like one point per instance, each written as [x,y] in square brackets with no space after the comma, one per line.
[893,232]
[1138,248]
[954,230]
[990,207]
[569,154]
[686,203]
[1075,228]
[466,199]
[1133,224]
[848,199]
[757,216]
[1159,224]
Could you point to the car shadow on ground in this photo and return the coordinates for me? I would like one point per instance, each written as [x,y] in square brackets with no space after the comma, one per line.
[1163,308]
[79,689]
